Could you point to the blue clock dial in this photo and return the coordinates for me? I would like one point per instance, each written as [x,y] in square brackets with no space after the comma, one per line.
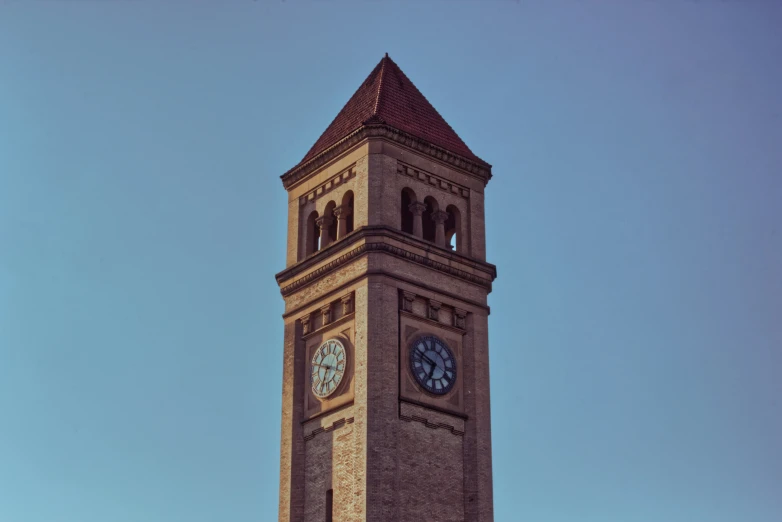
[433,364]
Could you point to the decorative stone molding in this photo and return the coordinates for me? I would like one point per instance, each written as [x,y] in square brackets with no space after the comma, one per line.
[342,212]
[325,429]
[347,304]
[433,311]
[389,249]
[439,216]
[306,324]
[475,167]
[407,301]
[328,185]
[417,208]
[454,319]
[326,312]
[432,425]
[324,221]
[432,179]
[460,318]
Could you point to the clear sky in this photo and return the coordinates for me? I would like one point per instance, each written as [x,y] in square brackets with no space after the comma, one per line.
[635,216]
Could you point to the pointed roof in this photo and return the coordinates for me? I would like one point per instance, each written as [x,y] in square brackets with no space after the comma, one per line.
[388,97]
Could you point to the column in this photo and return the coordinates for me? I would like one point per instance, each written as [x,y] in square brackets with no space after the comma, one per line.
[323,223]
[342,213]
[439,217]
[417,208]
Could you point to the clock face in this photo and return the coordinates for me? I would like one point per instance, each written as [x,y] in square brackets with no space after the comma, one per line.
[328,368]
[433,364]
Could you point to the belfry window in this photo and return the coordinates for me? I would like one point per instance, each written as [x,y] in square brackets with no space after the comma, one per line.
[453,230]
[312,236]
[427,222]
[331,228]
[407,214]
[347,206]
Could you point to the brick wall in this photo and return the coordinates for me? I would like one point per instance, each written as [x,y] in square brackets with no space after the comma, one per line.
[385,457]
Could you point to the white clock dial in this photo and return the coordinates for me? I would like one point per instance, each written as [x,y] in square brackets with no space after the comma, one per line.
[328,368]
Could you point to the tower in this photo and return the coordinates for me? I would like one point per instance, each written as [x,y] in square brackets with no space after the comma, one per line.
[385,411]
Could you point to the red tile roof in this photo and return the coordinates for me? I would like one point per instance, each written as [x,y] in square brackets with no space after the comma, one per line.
[388,96]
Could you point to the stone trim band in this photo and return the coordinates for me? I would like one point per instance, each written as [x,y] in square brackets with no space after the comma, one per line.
[389,249]
[432,425]
[443,184]
[326,187]
[325,429]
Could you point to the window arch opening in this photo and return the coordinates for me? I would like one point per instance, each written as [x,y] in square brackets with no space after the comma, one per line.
[428,225]
[312,236]
[408,197]
[331,230]
[347,202]
[453,229]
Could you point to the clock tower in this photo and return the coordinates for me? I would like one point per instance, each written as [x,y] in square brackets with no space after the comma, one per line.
[385,400]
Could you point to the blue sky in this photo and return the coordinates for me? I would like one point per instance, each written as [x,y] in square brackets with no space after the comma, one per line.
[634,216]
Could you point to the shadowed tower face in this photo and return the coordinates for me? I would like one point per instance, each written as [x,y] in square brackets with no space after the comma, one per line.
[385,407]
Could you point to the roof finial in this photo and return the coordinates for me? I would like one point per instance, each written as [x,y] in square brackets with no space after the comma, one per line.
[386,55]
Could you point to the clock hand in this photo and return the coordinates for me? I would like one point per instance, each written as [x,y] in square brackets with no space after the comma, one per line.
[431,372]
[427,359]
[434,365]
[430,361]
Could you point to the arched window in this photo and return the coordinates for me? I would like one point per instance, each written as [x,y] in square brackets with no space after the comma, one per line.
[453,229]
[332,229]
[347,202]
[408,197]
[312,237]
[428,224]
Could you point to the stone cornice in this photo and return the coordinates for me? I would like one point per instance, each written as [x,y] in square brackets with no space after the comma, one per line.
[430,179]
[377,232]
[296,311]
[478,169]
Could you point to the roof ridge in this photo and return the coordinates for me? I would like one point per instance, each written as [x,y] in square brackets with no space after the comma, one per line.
[380,84]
